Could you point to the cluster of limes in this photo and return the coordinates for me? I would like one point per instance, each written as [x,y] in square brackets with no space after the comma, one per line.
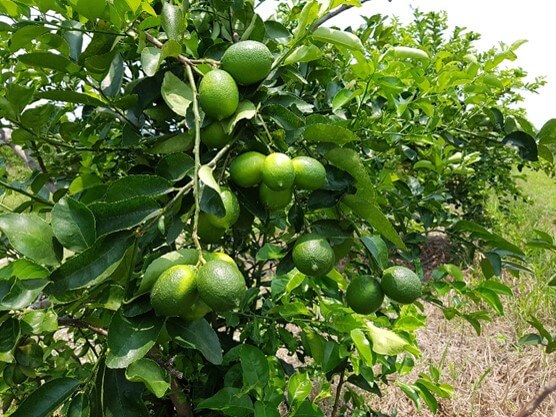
[276,174]
[365,294]
[211,227]
[243,63]
[189,292]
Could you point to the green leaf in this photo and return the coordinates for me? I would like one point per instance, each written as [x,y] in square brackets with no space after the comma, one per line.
[525,143]
[173,143]
[92,266]
[23,36]
[269,251]
[308,15]
[205,175]
[230,401]
[426,395]
[73,224]
[245,111]
[299,388]
[338,38]
[343,97]
[9,336]
[138,186]
[47,398]
[31,236]
[79,406]
[130,338]
[84,182]
[547,134]
[378,249]
[530,339]
[363,346]
[177,94]
[172,21]
[350,161]
[23,269]
[276,30]
[254,367]
[323,132]
[285,118]
[150,60]
[21,293]
[39,321]
[304,53]
[147,371]
[263,409]
[49,60]
[120,397]
[372,215]
[71,97]
[91,9]
[123,215]
[175,166]
[196,334]
[385,342]
[406,52]
[307,409]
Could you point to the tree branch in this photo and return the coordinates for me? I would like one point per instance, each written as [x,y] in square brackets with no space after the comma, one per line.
[530,407]
[180,401]
[333,13]
[81,324]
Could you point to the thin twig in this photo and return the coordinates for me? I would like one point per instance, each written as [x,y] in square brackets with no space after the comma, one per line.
[197,152]
[181,58]
[180,401]
[332,14]
[338,392]
[81,324]
[532,405]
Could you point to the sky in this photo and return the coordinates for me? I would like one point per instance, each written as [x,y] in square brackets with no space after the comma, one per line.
[496,21]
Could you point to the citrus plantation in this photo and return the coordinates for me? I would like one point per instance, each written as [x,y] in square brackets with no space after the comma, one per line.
[206,213]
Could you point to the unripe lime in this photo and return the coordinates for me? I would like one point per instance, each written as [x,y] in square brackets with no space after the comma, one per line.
[275,200]
[221,285]
[207,232]
[313,255]
[214,135]
[364,294]
[310,174]
[401,284]
[278,172]
[218,94]
[246,169]
[247,61]
[231,209]
[175,291]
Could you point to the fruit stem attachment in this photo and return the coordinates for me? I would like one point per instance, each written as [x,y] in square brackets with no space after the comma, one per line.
[197,152]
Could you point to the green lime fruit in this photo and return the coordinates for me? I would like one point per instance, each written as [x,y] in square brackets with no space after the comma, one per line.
[310,174]
[364,294]
[247,61]
[175,291]
[208,232]
[214,136]
[247,169]
[231,208]
[401,284]
[218,94]
[220,285]
[278,172]
[275,200]
[313,255]
[219,256]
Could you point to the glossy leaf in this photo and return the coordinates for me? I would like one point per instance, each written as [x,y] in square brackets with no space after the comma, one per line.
[91,266]
[138,185]
[150,60]
[196,334]
[172,21]
[159,265]
[32,236]
[338,38]
[122,215]
[525,143]
[79,406]
[91,9]
[175,166]
[9,336]
[299,387]
[245,111]
[71,97]
[304,53]
[285,118]
[372,215]
[147,371]
[50,61]
[177,94]
[384,341]
[323,132]
[130,338]
[230,401]
[254,367]
[206,176]
[547,134]
[378,249]
[47,398]
[363,346]
[128,402]
[73,224]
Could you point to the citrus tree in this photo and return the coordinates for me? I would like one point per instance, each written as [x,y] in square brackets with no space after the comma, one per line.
[224,213]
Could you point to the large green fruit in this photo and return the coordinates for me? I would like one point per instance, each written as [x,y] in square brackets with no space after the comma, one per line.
[220,285]
[313,255]
[247,169]
[218,94]
[401,284]
[364,294]
[310,174]
[248,61]
[175,291]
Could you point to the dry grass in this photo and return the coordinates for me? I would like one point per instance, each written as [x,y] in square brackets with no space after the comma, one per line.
[492,375]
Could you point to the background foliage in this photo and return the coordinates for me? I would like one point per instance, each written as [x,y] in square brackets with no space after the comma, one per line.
[416,129]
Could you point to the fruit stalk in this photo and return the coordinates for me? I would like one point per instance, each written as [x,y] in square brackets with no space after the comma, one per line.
[196,151]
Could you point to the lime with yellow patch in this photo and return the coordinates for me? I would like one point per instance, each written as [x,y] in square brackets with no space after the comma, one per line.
[175,291]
